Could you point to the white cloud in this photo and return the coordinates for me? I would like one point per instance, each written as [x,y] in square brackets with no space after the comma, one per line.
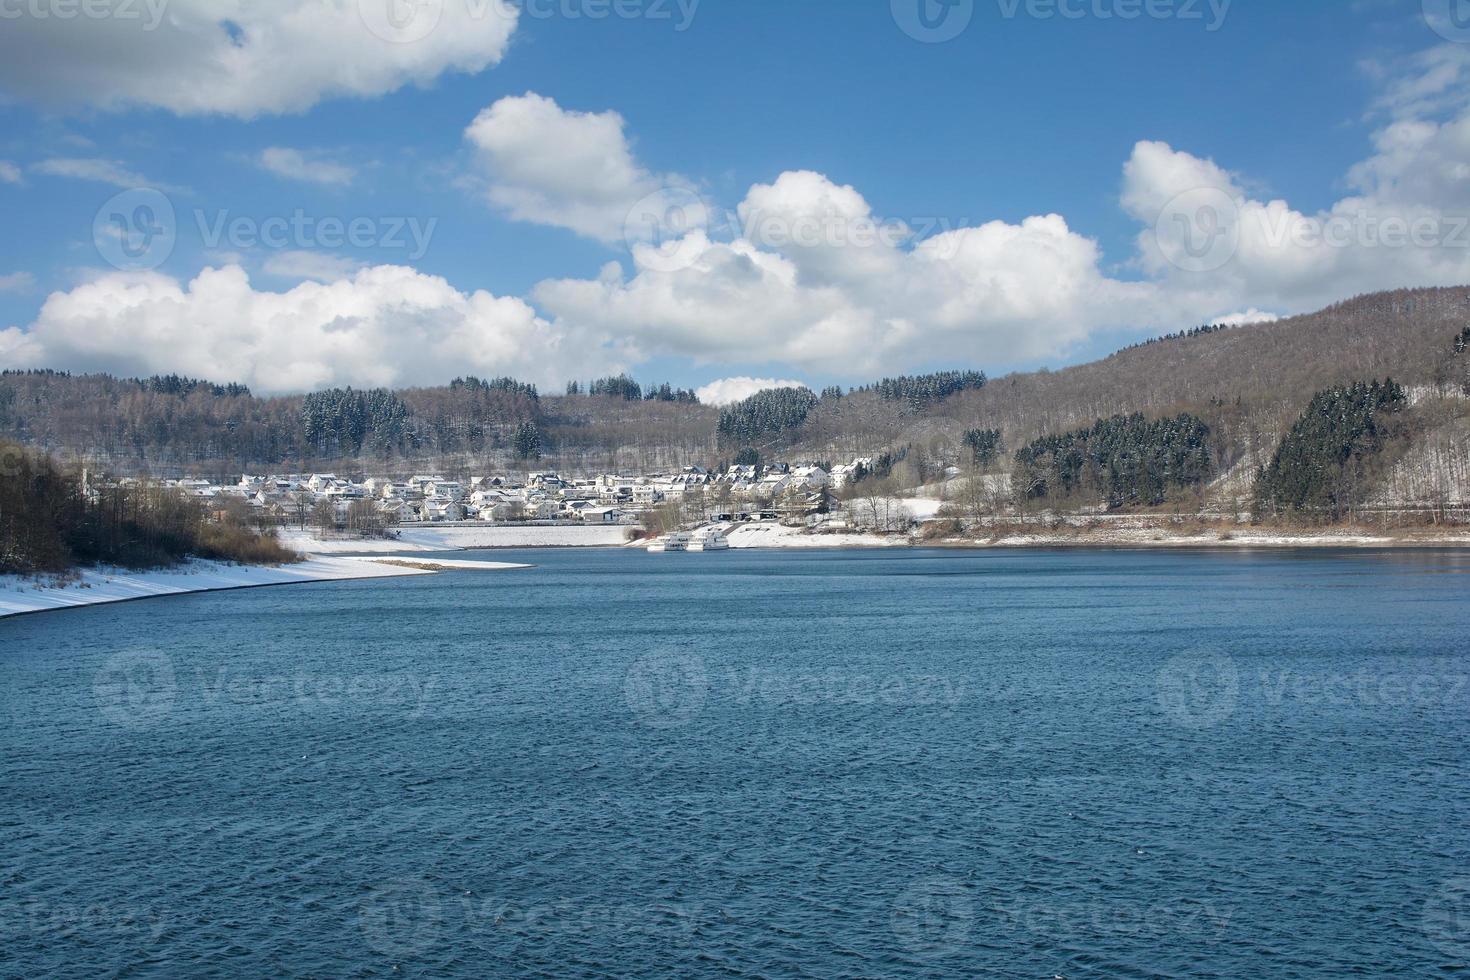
[314,168]
[836,296]
[1244,318]
[91,168]
[576,170]
[727,391]
[247,57]
[9,173]
[297,264]
[812,278]
[16,282]
[387,325]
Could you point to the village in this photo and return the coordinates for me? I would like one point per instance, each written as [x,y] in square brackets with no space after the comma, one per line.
[807,493]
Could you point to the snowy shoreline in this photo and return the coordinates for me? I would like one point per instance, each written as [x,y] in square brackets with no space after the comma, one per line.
[89,587]
[776,536]
[460,538]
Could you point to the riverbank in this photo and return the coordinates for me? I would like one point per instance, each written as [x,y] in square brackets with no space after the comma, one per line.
[1110,535]
[461,537]
[94,586]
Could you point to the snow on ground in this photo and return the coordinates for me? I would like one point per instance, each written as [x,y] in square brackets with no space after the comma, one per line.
[436,563]
[461,537]
[1138,537]
[777,536]
[92,586]
[922,508]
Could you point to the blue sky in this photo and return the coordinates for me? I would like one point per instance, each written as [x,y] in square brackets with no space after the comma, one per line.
[1017,116]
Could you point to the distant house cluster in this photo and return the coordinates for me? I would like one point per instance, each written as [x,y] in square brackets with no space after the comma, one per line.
[539,497]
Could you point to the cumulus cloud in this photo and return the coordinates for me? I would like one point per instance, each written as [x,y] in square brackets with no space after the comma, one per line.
[548,165]
[9,173]
[814,279]
[246,57]
[807,274]
[727,391]
[1245,317]
[386,325]
[313,168]
[811,277]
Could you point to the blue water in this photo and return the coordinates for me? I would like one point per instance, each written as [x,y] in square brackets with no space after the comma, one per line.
[752,764]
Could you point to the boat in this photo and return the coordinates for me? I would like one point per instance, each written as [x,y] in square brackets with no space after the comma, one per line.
[709,539]
[675,541]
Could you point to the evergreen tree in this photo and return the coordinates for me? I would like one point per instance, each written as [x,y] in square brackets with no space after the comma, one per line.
[929,389]
[1322,466]
[984,444]
[766,413]
[527,441]
[1127,460]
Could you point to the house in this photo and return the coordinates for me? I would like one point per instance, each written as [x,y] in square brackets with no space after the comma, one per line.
[443,509]
[811,476]
[445,488]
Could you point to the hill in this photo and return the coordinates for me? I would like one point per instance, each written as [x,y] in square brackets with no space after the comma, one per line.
[1247,384]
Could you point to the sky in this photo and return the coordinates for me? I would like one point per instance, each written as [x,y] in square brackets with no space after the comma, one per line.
[723,194]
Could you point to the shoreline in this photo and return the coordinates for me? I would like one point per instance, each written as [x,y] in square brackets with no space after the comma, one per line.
[105,586]
[93,587]
[1154,537]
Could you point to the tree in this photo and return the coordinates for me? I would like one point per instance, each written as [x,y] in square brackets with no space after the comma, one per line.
[1126,460]
[984,444]
[1323,464]
[324,515]
[527,442]
[766,413]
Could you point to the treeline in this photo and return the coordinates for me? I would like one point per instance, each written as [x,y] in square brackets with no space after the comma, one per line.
[765,414]
[342,422]
[176,423]
[175,384]
[1200,331]
[52,520]
[509,385]
[921,391]
[629,390]
[1126,460]
[1327,461]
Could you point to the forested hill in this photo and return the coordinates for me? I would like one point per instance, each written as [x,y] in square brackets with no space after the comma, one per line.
[1247,384]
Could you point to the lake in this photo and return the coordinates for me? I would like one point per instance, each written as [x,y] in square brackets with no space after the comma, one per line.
[863,763]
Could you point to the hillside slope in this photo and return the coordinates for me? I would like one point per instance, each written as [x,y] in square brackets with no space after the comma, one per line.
[1247,383]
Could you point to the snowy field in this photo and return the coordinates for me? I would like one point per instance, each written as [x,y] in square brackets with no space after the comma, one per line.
[93,586]
[776,536]
[457,538]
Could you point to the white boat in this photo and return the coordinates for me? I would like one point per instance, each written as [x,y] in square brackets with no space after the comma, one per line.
[709,539]
[677,541]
